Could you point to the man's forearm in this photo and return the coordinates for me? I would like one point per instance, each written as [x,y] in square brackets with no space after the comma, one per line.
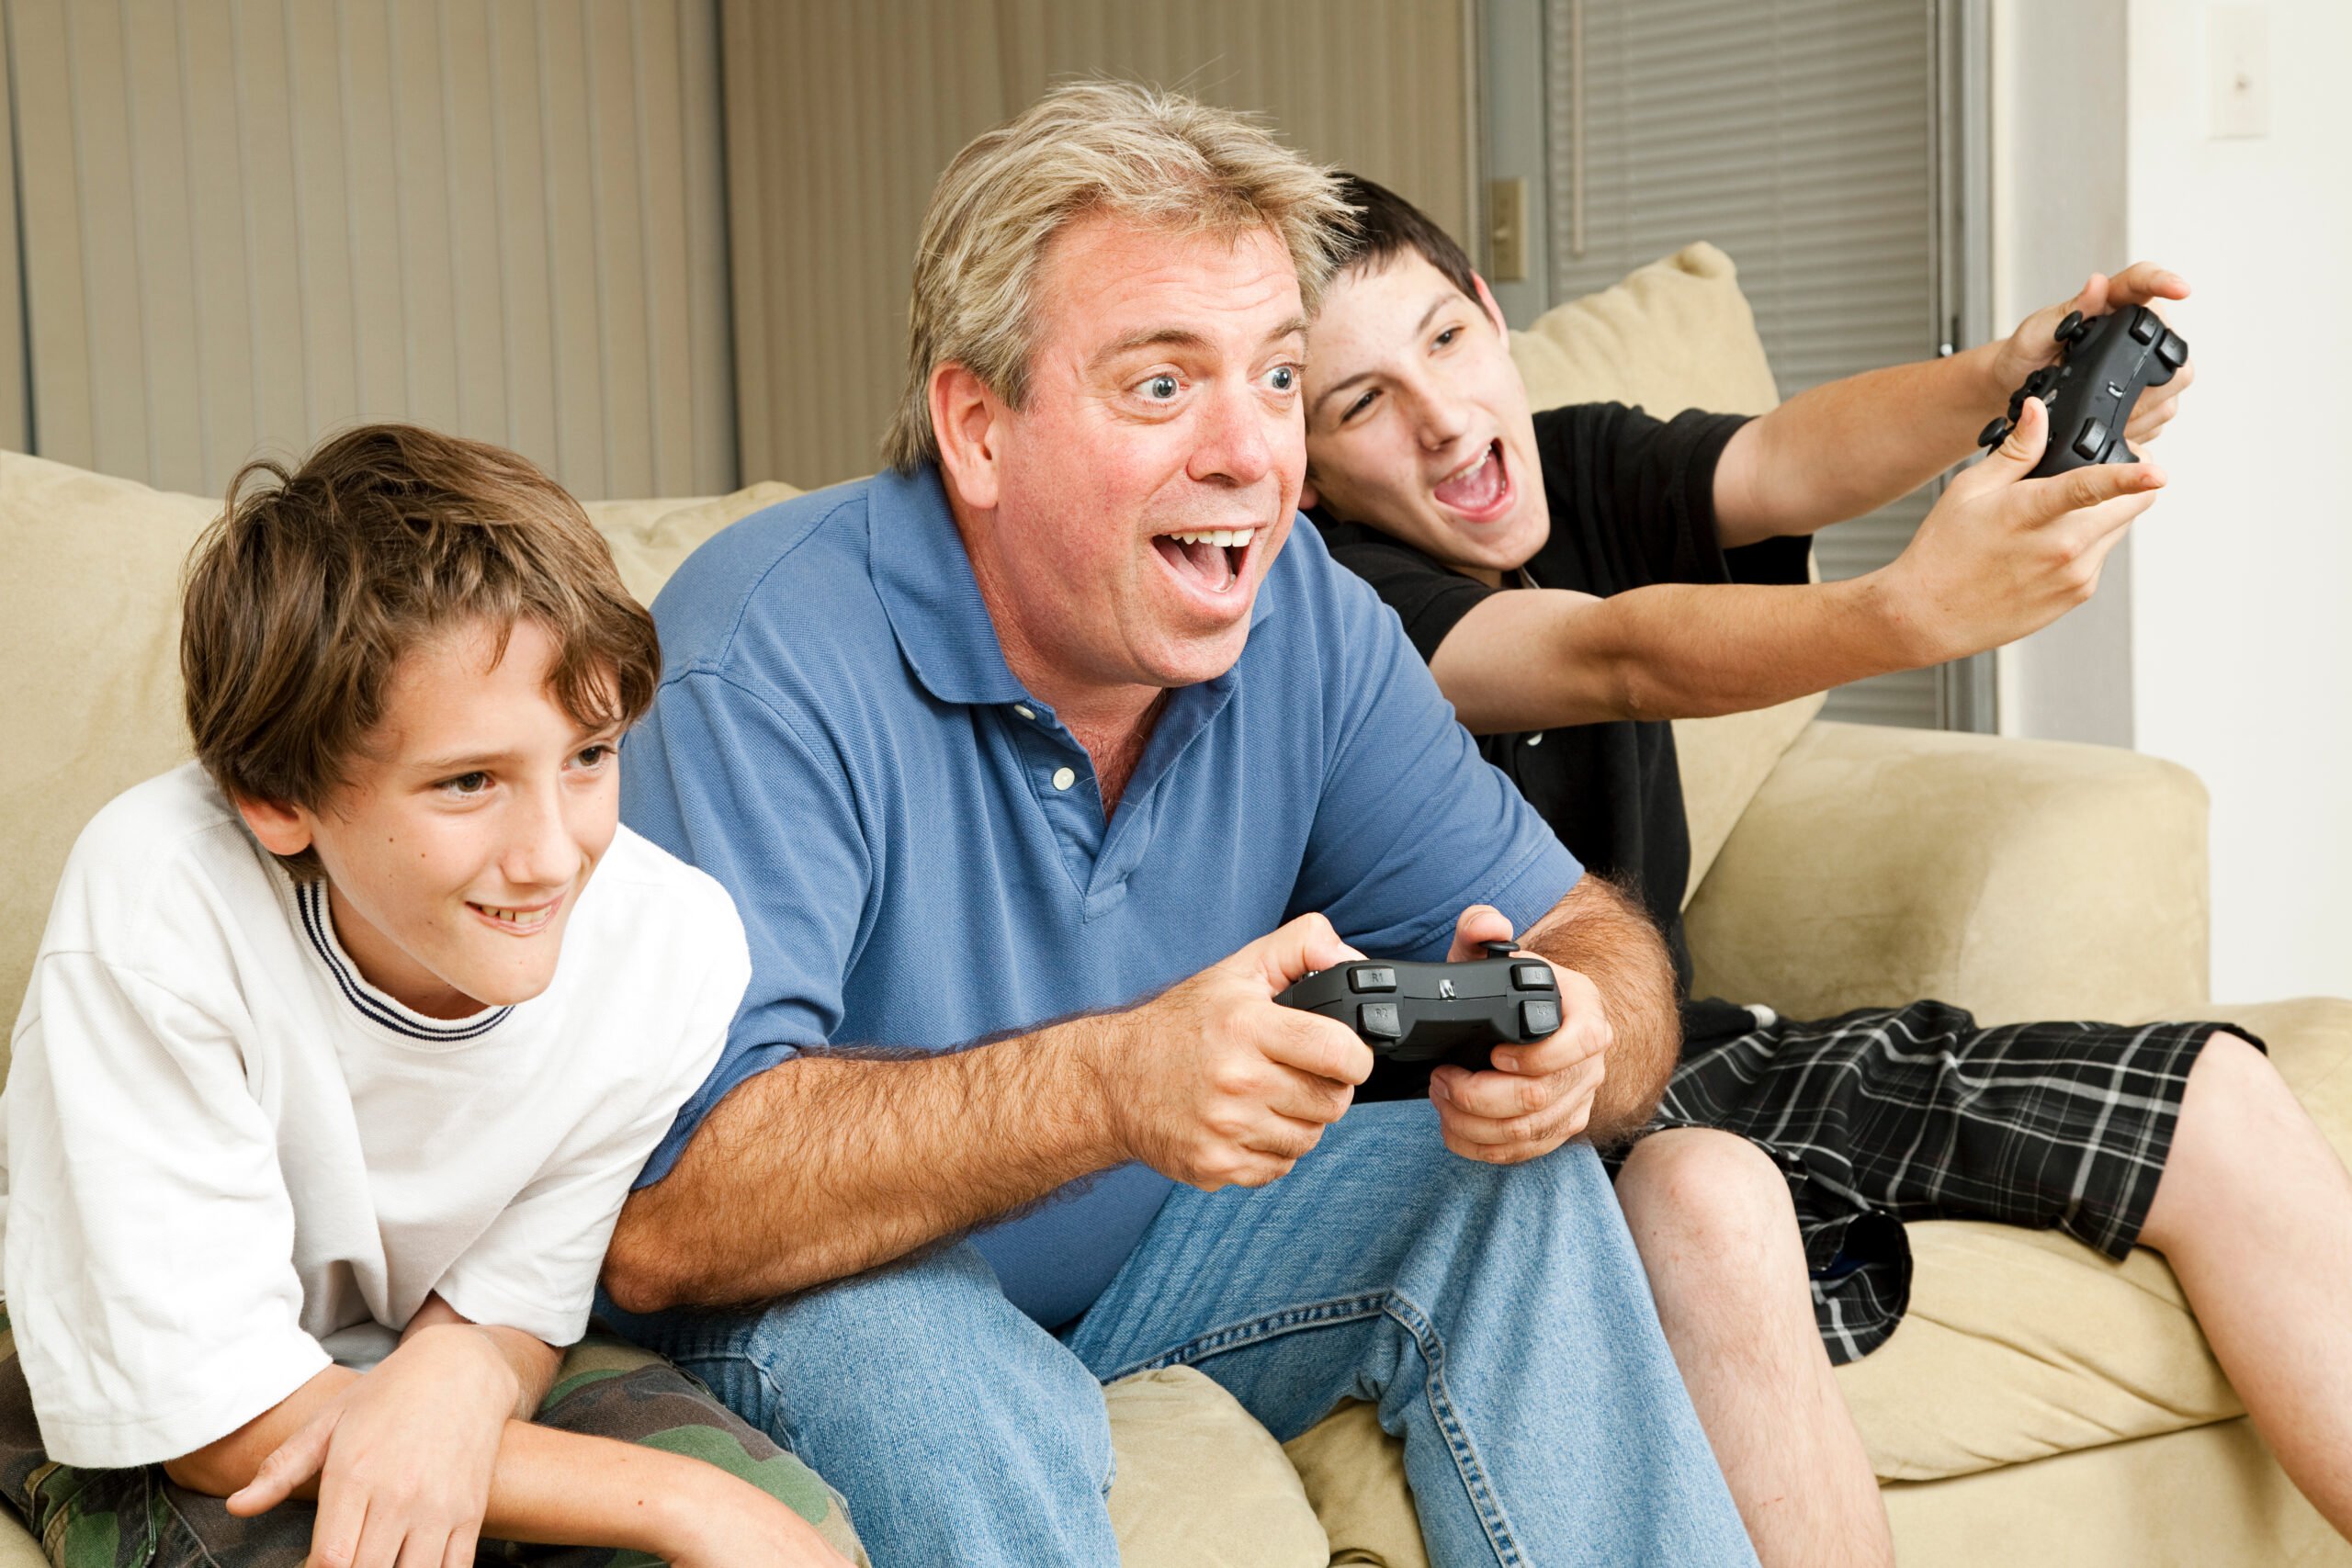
[829,1165]
[1604,936]
[1850,446]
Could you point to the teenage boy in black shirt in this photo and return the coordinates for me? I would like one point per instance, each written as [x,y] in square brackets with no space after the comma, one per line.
[1578,577]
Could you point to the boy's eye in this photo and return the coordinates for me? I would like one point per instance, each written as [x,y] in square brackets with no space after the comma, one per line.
[594,756]
[466,784]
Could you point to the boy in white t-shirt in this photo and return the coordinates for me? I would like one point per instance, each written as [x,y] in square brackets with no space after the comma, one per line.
[343,1044]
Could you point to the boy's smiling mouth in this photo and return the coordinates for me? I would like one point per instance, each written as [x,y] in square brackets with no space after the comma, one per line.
[517,919]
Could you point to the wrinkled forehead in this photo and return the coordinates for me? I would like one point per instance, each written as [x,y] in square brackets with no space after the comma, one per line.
[1108,282]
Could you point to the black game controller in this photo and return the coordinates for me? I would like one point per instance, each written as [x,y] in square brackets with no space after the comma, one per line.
[2090,392]
[1436,1012]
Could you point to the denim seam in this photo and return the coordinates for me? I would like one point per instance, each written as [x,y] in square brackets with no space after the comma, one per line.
[187,1527]
[1410,1316]
[782,1405]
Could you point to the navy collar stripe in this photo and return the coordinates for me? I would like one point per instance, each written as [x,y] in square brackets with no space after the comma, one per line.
[310,896]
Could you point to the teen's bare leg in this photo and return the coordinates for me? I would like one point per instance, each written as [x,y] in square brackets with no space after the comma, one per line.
[1711,1217]
[2255,1214]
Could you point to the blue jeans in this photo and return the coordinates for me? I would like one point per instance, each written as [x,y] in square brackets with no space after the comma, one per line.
[1498,1317]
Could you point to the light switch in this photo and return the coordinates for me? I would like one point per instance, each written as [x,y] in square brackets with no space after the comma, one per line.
[2237,66]
[1507,229]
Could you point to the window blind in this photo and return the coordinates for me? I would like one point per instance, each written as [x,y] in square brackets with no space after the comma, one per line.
[1799,136]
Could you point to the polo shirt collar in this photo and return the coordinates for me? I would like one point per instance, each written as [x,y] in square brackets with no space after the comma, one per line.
[924,578]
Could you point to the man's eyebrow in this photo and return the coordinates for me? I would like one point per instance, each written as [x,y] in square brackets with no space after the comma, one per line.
[1182,337]
[1418,327]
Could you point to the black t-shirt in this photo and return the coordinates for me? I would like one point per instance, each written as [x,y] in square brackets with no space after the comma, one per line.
[1633,503]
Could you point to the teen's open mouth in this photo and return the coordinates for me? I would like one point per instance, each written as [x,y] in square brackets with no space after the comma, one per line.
[1212,559]
[1480,490]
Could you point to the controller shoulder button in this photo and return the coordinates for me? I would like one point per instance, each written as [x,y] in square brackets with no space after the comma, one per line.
[1532,976]
[2144,324]
[1538,1017]
[2173,350]
[2091,440]
[1379,1021]
[1369,978]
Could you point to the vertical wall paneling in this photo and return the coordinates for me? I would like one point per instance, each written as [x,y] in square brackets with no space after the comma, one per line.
[16,398]
[840,119]
[246,223]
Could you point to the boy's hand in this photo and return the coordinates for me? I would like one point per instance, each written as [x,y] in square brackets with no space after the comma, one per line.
[735,1525]
[1535,1097]
[2034,345]
[2002,555]
[403,1456]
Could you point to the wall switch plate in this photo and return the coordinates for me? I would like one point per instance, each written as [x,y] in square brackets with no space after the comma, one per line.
[1507,229]
[2237,67]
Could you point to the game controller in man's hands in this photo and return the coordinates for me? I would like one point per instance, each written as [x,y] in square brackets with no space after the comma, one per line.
[1437,1012]
[2106,363]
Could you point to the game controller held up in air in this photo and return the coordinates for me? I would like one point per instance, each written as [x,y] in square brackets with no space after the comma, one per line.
[1428,1013]
[2106,363]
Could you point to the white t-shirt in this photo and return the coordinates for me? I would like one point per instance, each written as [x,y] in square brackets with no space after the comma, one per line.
[227,1160]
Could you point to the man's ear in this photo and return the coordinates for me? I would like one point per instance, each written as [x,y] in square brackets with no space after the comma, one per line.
[1494,311]
[282,830]
[968,420]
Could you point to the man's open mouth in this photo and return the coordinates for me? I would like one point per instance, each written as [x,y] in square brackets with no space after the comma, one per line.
[1211,558]
[1479,490]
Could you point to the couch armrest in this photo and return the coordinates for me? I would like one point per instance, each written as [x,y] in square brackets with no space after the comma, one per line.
[2022,879]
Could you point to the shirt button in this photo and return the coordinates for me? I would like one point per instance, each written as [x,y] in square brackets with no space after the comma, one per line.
[1025,710]
[1536,738]
[1064,778]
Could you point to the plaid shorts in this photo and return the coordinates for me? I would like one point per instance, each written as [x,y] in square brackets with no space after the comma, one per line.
[606,1387]
[1914,1113]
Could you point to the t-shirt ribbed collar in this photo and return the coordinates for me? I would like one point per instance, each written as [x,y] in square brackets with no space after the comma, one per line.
[375,1007]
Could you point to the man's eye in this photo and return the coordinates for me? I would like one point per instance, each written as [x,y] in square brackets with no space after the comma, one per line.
[1284,378]
[466,784]
[1159,389]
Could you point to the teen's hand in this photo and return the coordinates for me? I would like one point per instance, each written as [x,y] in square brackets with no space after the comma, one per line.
[732,1524]
[403,1456]
[1535,1097]
[2034,345]
[1214,1083]
[2002,555]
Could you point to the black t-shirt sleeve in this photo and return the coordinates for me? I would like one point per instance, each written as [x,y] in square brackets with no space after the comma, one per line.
[1632,503]
[1427,597]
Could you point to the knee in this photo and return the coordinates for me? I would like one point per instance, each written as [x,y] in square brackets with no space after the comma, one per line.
[1710,1203]
[2235,1100]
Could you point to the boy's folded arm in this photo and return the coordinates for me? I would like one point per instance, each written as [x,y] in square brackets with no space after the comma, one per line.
[228,1464]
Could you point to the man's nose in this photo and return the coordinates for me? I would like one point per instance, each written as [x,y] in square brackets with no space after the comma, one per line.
[1237,443]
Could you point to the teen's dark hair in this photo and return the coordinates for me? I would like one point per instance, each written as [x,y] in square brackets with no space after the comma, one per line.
[1387,226]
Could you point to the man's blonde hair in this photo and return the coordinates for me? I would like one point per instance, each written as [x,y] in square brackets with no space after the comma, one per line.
[1153,157]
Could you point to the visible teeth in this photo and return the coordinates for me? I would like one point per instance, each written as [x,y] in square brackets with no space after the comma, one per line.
[1223,538]
[1472,467]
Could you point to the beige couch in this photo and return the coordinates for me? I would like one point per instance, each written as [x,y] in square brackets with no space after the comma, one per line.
[2038,1405]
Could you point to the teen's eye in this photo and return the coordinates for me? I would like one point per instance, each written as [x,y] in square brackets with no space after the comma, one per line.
[1357,407]
[1161,388]
[1445,339]
[466,785]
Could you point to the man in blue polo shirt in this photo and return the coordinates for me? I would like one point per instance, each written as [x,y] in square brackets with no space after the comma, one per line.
[1013,757]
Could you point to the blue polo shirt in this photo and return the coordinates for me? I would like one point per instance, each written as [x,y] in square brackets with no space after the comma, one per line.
[918,849]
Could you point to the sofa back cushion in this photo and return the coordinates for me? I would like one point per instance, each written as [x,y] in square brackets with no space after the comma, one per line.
[89,641]
[1674,335]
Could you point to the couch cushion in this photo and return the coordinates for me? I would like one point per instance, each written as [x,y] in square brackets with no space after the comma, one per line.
[1199,1484]
[1674,335]
[89,635]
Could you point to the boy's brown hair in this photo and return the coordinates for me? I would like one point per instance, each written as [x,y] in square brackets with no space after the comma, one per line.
[304,593]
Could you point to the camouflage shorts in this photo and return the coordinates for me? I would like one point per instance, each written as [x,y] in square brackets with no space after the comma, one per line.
[607,1388]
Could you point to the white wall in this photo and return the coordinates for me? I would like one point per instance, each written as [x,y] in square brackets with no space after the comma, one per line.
[2242,576]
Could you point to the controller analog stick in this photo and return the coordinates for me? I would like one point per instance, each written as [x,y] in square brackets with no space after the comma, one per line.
[1994,434]
[2071,328]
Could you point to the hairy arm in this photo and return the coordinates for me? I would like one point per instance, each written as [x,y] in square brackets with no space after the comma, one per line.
[824,1166]
[1601,934]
